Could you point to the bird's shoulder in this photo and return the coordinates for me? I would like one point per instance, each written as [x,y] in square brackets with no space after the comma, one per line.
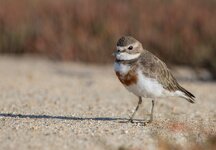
[153,67]
[151,64]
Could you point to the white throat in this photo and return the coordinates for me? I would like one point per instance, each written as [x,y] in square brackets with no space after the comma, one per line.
[126,56]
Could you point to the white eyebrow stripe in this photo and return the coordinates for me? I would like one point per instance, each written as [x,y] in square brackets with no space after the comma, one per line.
[121,48]
[125,47]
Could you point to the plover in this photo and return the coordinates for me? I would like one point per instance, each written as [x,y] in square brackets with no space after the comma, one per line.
[144,74]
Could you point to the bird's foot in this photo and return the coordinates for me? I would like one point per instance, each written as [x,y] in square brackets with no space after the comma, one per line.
[144,123]
[149,121]
[131,120]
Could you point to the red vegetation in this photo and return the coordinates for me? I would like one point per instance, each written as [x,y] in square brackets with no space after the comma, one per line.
[179,31]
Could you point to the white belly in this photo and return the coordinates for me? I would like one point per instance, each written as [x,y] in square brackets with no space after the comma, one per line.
[147,87]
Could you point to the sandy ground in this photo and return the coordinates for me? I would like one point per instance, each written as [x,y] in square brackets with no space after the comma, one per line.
[52,105]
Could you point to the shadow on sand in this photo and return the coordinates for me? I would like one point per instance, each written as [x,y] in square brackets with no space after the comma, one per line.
[10,115]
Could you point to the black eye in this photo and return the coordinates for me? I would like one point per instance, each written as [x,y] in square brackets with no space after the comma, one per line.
[130,47]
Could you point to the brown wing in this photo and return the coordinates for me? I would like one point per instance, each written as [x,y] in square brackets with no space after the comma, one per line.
[153,67]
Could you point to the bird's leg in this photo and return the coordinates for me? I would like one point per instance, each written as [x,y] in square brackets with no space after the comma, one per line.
[152,111]
[140,102]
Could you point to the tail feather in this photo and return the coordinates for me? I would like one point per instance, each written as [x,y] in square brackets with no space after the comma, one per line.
[189,96]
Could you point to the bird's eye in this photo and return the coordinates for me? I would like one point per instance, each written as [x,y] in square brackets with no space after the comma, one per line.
[130,47]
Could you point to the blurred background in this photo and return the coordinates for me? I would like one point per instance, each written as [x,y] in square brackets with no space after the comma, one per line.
[75,101]
[180,32]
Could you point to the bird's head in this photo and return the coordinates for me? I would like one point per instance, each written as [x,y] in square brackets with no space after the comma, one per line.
[128,48]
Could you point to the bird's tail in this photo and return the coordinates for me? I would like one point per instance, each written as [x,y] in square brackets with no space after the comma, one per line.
[188,96]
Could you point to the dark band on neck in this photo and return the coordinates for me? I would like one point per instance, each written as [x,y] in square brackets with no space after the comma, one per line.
[127,61]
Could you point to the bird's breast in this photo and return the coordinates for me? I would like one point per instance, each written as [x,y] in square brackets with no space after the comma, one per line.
[136,82]
[125,74]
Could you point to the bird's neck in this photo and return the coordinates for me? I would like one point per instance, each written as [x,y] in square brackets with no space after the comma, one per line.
[131,61]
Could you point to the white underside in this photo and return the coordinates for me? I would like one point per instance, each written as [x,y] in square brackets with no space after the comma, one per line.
[146,87]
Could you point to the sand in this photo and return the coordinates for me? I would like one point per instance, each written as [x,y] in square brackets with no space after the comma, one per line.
[55,105]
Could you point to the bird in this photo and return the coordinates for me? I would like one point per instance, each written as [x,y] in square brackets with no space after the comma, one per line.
[145,75]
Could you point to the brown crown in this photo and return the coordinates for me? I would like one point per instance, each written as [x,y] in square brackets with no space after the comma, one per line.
[126,40]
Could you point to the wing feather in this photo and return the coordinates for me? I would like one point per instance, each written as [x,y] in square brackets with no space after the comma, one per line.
[153,67]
